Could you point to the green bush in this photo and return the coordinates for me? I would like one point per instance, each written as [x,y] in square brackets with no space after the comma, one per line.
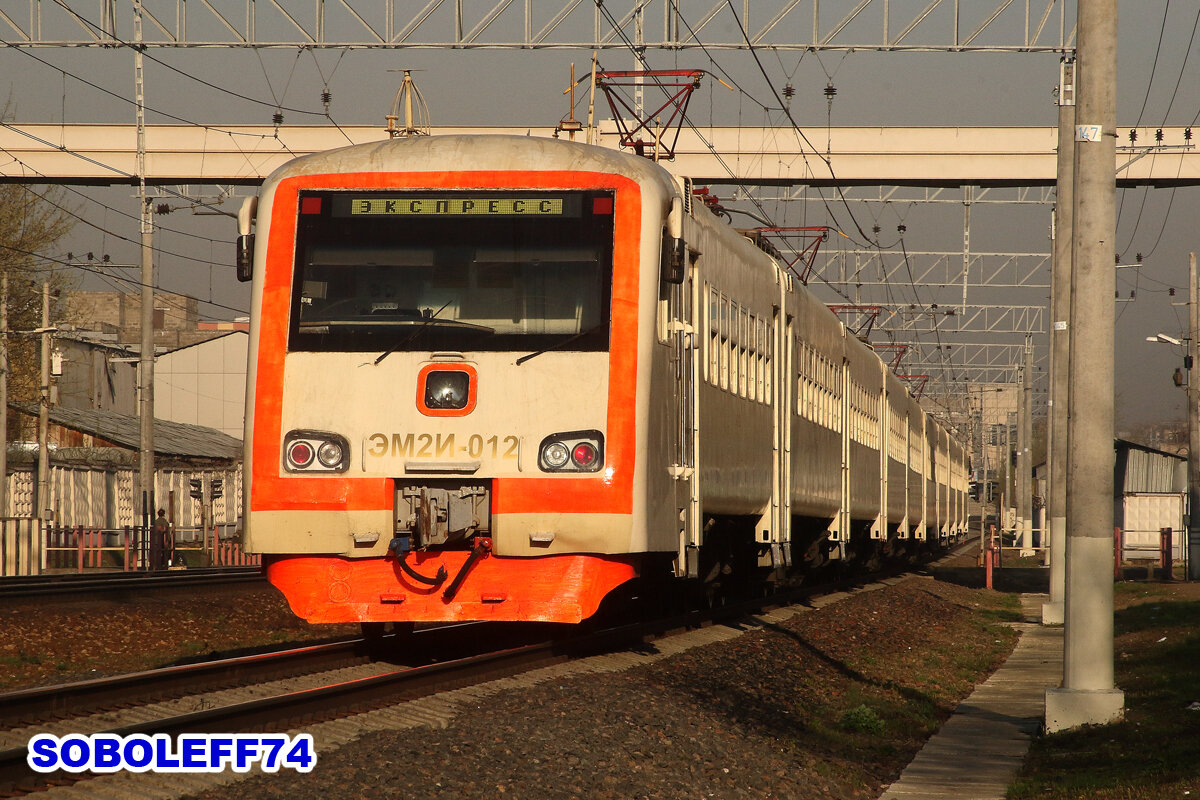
[863,719]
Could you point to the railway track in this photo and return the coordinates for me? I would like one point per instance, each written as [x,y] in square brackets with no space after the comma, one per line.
[115,584]
[331,697]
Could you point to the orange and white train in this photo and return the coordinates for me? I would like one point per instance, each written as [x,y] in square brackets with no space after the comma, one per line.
[496,378]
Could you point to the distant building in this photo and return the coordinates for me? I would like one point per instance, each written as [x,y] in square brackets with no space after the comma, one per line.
[119,315]
[199,371]
[204,383]
[91,374]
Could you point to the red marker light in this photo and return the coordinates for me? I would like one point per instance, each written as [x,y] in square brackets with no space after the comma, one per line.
[310,205]
[584,455]
[300,454]
[602,206]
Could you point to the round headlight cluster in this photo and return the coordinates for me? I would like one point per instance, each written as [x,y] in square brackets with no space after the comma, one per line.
[330,454]
[573,451]
[555,455]
[315,451]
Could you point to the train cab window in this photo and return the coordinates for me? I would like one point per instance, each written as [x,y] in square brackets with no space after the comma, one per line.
[421,271]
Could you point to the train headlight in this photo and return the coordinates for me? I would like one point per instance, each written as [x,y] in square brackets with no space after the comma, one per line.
[315,451]
[555,455]
[330,454]
[572,451]
[447,389]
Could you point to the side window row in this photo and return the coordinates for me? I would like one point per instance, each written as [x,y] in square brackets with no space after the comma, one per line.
[739,348]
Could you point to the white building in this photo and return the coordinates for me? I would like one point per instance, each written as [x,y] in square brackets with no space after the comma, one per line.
[204,384]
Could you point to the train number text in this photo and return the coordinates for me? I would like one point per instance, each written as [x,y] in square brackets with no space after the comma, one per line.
[441,445]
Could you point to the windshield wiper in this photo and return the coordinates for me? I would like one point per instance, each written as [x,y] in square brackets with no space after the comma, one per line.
[560,345]
[427,322]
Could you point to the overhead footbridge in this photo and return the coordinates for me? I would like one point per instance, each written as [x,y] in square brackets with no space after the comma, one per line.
[104,154]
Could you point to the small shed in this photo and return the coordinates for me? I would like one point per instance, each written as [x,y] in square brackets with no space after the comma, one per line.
[94,466]
[1149,494]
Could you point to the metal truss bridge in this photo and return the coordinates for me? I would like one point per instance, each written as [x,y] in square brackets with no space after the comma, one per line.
[795,25]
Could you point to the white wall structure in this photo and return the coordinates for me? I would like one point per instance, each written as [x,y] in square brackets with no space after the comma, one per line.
[204,384]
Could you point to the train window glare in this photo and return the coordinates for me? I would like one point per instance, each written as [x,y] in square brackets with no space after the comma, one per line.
[754,364]
[712,363]
[724,342]
[743,352]
[735,369]
[485,271]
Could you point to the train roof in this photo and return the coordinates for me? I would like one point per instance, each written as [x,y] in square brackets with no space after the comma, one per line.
[477,152]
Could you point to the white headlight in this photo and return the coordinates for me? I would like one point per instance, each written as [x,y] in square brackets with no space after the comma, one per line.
[555,454]
[330,454]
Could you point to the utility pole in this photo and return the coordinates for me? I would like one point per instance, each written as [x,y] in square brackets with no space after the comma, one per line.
[1026,436]
[1193,401]
[146,368]
[1088,695]
[4,394]
[43,487]
[1060,313]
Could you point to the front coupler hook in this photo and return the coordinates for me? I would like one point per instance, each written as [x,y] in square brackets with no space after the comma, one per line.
[483,547]
[402,546]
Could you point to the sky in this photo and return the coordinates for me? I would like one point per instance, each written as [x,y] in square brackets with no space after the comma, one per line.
[1158,84]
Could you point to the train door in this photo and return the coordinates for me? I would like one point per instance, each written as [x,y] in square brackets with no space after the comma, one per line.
[682,304]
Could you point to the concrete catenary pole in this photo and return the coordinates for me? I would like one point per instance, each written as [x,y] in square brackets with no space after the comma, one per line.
[1022,467]
[43,486]
[146,366]
[1060,313]
[4,395]
[1025,452]
[1027,435]
[1193,401]
[1087,695]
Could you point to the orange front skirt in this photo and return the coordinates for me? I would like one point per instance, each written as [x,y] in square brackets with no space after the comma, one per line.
[565,588]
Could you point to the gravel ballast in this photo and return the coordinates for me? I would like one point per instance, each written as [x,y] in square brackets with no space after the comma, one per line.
[830,703]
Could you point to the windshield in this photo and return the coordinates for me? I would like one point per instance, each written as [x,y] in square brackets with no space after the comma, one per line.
[395,271]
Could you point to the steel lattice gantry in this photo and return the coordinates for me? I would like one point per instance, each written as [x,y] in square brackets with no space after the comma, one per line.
[883,25]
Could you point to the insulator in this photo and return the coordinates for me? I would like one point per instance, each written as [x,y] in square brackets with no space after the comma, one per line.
[104,259]
[91,257]
[1187,134]
[901,227]
[789,91]
[1139,258]
[277,118]
[830,91]
[875,228]
[326,96]
[1158,135]
[162,208]
[1171,291]
[1132,135]
[1133,294]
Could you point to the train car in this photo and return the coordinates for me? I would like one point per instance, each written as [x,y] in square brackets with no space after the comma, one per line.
[496,378]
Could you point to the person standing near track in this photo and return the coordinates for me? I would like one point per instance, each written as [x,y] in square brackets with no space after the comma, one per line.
[160,542]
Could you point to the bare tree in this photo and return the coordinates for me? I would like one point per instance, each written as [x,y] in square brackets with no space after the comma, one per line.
[32,223]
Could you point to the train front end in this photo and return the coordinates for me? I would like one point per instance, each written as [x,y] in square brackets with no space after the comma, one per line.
[443,414]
